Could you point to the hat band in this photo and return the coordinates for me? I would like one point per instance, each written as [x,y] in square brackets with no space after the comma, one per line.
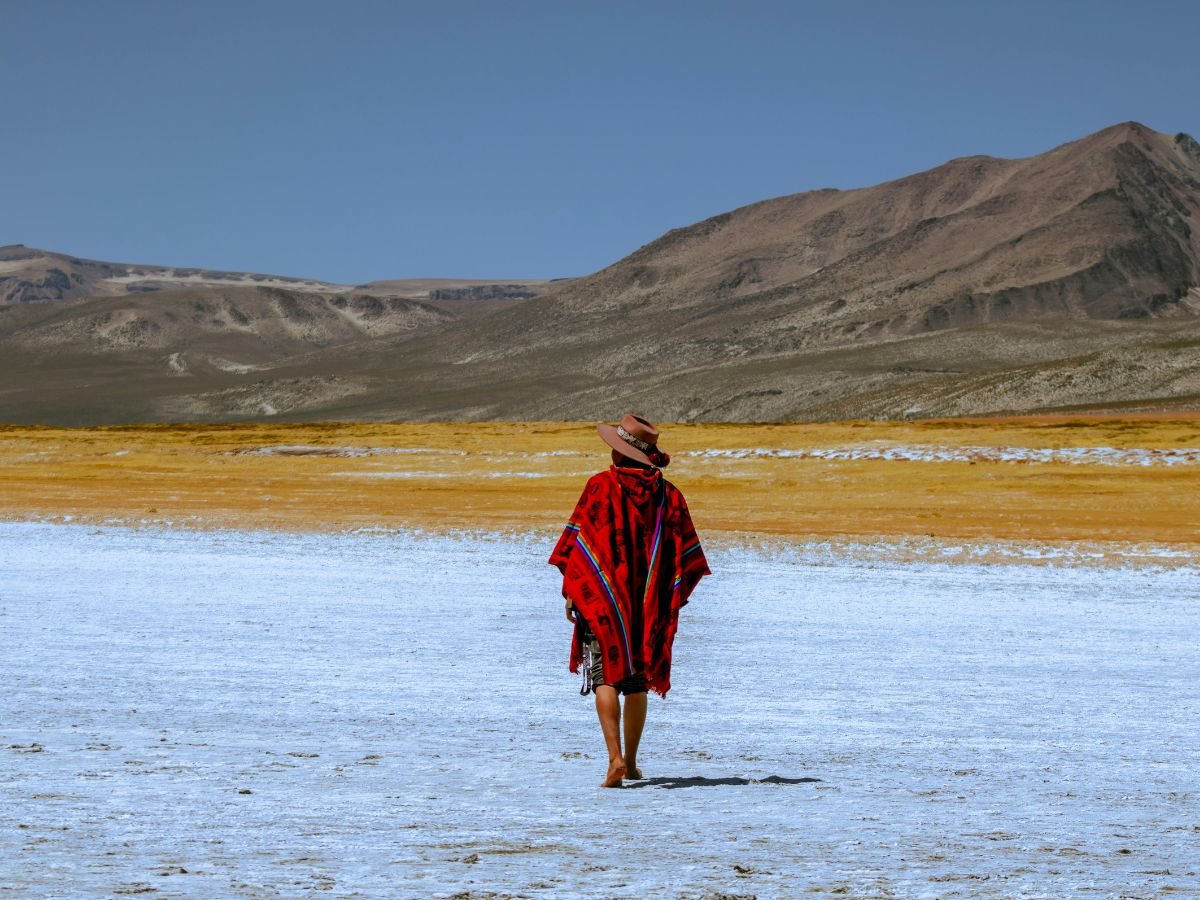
[630,439]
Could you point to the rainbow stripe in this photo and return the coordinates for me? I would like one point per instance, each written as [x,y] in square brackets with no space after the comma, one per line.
[650,572]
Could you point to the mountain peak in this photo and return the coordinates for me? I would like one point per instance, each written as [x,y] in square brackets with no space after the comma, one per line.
[1130,127]
[1120,134]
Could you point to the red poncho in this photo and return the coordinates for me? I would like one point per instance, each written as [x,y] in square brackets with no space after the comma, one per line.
[630,558]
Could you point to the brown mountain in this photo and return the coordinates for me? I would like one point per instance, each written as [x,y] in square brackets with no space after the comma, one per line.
[28,275]
[1096,229]
[1063,280]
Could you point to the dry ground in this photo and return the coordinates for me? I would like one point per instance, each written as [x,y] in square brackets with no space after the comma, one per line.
[309,477]
[210,714]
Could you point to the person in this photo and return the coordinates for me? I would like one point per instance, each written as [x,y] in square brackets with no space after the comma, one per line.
[630,559]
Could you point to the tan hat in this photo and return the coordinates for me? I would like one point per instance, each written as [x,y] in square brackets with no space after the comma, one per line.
[636,438]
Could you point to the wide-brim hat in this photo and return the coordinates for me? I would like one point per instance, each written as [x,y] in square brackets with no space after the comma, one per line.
[634,437]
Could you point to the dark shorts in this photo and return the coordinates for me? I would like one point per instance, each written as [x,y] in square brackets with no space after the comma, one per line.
[594,670]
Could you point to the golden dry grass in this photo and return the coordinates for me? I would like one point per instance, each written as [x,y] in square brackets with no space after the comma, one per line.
[527,476]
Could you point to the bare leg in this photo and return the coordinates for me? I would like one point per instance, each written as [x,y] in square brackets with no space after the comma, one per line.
[635,720]
[608,709]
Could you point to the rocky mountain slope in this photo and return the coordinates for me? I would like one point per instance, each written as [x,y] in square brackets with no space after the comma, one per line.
[1063,280]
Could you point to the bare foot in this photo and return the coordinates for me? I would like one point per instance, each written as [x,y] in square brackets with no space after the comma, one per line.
[634,773]
[616,771]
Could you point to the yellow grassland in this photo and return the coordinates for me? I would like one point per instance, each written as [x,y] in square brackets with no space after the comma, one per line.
[508,476]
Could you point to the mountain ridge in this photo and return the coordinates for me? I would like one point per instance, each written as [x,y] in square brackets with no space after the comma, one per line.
[981,286]
[49,275]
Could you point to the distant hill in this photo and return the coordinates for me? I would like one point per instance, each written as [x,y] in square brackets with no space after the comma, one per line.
[30,275]
[1066,280]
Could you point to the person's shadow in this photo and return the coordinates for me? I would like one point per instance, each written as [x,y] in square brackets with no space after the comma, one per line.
[701,781]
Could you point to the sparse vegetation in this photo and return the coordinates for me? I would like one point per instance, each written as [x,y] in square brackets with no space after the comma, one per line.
[523,475]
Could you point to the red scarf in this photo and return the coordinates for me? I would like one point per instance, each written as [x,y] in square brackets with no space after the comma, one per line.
[630,558]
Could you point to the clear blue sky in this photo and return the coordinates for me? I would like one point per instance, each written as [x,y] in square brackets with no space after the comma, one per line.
[357,140]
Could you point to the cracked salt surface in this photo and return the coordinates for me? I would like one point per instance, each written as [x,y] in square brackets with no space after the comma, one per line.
[1102,456]
[1098,456]
[244,713]
[340,450]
